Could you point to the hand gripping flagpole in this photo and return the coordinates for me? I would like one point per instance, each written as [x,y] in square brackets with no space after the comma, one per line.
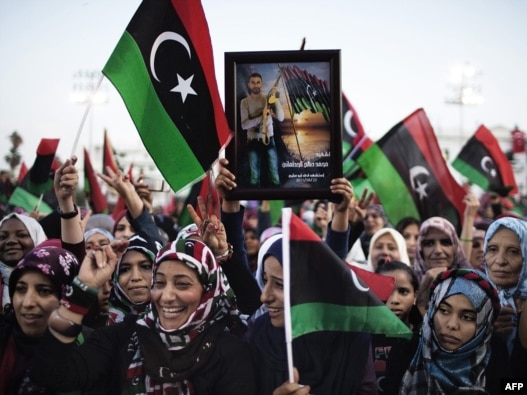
[286,259]
[86,112]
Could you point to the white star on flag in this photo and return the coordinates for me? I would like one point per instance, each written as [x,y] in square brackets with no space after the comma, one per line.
[183,87]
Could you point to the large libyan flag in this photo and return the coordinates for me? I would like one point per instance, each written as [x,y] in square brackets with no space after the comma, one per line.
[163,68]
[483,162]
[321,291]
[407,170]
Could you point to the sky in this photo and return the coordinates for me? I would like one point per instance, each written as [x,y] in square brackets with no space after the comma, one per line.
[396,56]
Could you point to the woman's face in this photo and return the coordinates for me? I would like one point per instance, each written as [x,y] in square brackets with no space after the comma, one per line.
[252,244]
[373,221]
[403,296]
[410,234]
[455,322]
[504,258]
[176,293]
[33,301]
[135,276]
[123,229]
[273,293]
[96,241]
[385,247]
[476,254]
[15,241]
[437,249]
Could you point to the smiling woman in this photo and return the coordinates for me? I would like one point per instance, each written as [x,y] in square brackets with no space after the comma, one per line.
[186,342]
[36,285]
[18,235]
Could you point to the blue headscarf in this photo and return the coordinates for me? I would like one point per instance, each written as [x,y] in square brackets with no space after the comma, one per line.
[463,369]
[519,290]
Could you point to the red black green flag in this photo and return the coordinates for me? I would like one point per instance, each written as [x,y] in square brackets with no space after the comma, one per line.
[324,294]
[22,172]
[207,191]
[483,163]
[42,172]
[306,92]
[354,139]
[409,174]
[163,68]
[108,155]
[92,188]
[36,188]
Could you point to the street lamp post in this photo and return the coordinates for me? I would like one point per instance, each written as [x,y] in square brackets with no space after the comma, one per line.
[86,90]
[465,91]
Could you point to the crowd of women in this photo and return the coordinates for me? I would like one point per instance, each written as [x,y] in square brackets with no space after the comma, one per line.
[116,306]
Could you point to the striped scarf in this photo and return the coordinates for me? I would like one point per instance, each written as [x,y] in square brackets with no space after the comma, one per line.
[434,370]
[162,361]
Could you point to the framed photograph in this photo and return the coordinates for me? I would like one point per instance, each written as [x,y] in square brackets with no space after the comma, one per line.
[285,110]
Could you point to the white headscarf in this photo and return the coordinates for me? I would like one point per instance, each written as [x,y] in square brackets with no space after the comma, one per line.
[37,234]
[399,241]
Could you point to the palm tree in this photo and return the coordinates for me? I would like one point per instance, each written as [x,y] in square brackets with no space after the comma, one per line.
[14,158]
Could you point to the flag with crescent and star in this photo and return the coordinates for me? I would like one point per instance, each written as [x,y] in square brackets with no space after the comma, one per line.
[483,163]
[163,68]
[354,139]
[410,175]
[325,294]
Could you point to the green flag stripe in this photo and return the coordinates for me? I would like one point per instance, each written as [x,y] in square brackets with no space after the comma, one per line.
[388,185]
[472,174]
[159,134]
[28,201]
[315,317]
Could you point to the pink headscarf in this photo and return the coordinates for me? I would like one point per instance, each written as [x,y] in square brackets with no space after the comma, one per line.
[445,226]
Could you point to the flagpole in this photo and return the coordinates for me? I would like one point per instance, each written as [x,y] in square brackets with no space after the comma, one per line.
[356,148]
[37,207]
[86,112]
[286,258]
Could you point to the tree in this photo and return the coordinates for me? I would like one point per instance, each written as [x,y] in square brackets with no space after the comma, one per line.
[14,158]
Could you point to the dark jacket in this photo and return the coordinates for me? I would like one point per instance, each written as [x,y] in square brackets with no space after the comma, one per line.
[104,358]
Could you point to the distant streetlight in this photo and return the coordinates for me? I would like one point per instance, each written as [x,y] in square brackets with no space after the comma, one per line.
[466,91]
[85,91]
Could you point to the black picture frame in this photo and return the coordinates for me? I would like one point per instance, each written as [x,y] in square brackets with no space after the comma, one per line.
[307,140]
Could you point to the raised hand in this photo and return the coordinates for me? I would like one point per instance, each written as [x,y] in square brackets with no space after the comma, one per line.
[66,180]
[98,265]
[211,229]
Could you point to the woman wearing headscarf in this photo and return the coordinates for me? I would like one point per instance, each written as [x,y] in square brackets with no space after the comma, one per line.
[18,235]
[327,362]
[132,278]
[387,244]
[374,219]
[36,286]
[186,342]
[438,249]
[505,249]
[453,352]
